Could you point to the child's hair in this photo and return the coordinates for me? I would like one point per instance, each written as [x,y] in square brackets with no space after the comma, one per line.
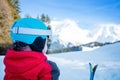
[18,45]
[37,45]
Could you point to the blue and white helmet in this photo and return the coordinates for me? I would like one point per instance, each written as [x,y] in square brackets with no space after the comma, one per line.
[28,29]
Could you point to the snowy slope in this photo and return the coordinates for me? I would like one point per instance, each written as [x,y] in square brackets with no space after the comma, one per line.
[74,65]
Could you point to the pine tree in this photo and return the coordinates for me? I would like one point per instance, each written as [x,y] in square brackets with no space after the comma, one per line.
[46,20]
[43,18]
[27,16]
[5,21]
[9,11]
[14,4]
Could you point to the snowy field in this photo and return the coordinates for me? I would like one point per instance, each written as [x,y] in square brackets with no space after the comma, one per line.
[75,65]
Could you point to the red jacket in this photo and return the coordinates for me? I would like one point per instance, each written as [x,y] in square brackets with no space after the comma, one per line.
[27,65]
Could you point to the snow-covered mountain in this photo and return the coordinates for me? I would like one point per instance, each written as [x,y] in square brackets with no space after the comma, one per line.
[68,31]
[106,33]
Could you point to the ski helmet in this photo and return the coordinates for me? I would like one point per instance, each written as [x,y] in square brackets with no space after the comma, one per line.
[28,29]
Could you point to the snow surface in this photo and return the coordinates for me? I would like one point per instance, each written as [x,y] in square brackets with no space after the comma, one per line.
[1,68]
[75,65]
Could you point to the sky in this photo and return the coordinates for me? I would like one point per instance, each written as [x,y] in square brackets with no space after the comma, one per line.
[84,12]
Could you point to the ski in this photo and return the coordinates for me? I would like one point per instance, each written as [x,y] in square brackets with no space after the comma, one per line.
[92,71]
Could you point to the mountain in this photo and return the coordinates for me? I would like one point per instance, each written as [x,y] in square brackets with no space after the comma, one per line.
[106,33]
[68,31]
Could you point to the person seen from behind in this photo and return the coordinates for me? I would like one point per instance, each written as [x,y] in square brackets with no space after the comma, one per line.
[26,60]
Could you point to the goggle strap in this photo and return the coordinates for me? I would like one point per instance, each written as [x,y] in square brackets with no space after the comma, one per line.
[20,30]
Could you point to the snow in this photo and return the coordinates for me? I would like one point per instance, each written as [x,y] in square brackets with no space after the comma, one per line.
[84,49]
[75,65]
[1,68]
[69,31]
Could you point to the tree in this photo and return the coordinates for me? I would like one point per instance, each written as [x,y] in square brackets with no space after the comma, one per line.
[43,18]
[48,22]
[9,11]
[6,20]
[14,4]
[46,19]
[27,16]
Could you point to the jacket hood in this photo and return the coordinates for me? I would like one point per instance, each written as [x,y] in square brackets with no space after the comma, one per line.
[22,61]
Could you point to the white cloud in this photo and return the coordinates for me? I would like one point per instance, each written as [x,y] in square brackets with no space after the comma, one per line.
[106,32]
[68,30]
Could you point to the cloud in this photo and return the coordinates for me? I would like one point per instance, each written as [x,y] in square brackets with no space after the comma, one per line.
[68,31]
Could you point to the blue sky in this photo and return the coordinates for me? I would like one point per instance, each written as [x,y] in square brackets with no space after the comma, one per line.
[84,12]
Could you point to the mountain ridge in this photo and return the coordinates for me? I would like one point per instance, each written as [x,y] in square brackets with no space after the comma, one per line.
[68,31]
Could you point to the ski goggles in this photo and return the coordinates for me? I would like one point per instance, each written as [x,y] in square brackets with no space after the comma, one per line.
[30,31]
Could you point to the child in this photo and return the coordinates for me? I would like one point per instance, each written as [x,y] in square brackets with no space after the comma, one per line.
[26,60]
